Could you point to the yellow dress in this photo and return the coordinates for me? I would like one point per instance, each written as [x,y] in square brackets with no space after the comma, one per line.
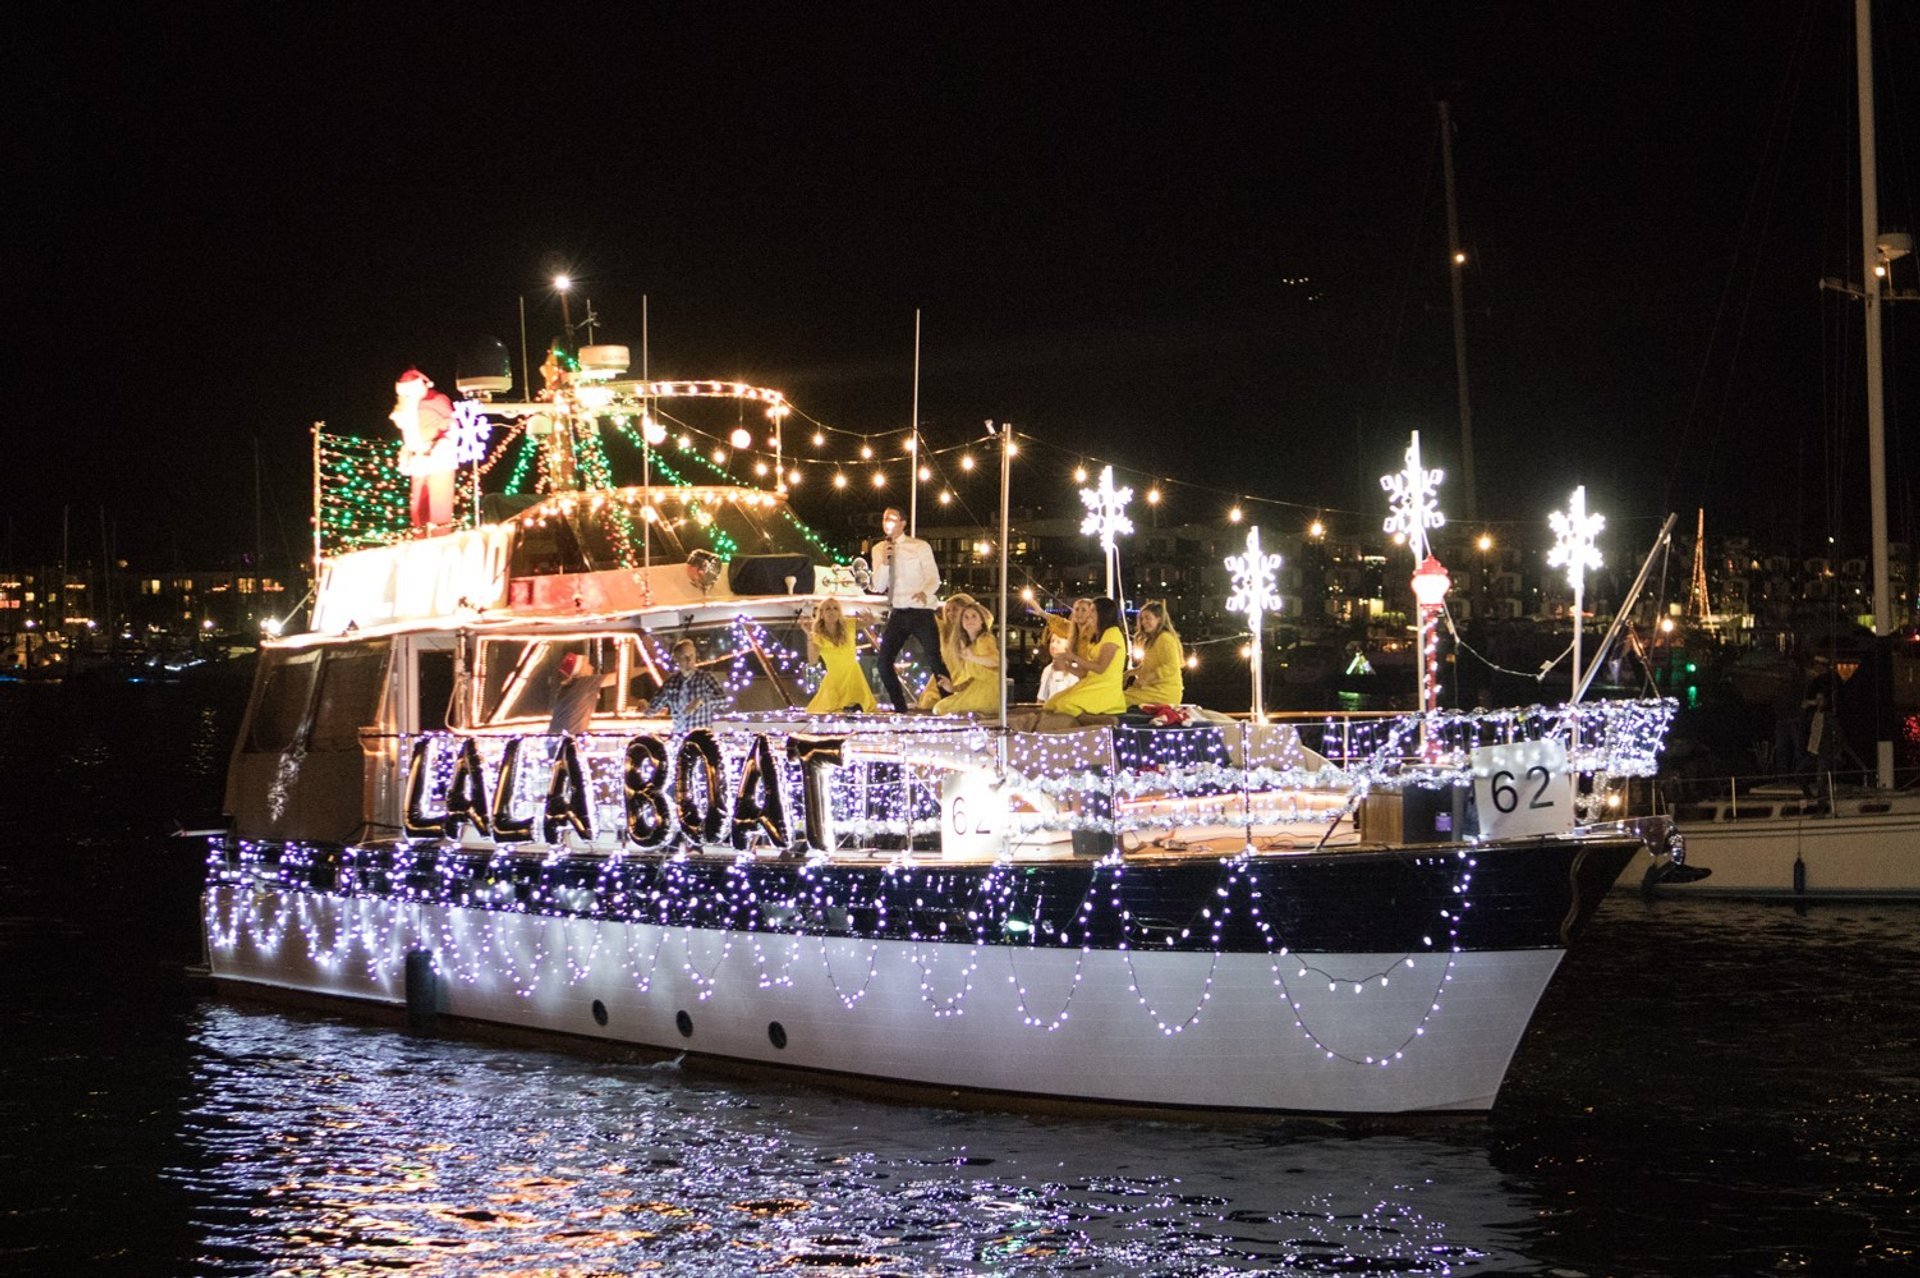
[846,684]
[976,686]
[1157,680]
[1063,628]
[1097,692]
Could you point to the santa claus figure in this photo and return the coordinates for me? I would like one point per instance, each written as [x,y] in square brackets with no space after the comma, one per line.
[425,419]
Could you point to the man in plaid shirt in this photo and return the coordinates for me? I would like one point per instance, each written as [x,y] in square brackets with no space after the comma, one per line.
[691,695]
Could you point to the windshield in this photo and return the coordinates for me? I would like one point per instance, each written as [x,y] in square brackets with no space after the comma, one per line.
[517,677]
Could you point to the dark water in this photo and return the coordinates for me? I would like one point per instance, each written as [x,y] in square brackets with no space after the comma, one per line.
[1708,1089]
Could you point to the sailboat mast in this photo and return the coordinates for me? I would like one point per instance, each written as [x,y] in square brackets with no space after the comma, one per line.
[1876,399]
[1456,265]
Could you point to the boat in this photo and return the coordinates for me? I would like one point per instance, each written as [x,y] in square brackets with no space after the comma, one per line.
[1322,915]
[1820,839]
[1811,837]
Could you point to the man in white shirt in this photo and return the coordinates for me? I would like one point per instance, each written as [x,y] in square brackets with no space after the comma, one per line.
[904,571]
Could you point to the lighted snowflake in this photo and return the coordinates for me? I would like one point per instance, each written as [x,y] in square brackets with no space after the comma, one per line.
[1106,510]
[470,431]
[1574,531]
[1255,588]
[1412,494]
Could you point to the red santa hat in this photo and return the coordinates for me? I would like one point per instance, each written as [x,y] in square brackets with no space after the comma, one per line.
[414,375]
[572,664]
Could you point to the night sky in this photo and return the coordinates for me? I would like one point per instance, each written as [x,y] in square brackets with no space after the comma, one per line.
[1202,243]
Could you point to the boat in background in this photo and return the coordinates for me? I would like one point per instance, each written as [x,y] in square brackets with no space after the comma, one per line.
[1809,837]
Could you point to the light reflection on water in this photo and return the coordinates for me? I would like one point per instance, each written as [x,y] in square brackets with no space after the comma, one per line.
[1708,1089]
[329,1146]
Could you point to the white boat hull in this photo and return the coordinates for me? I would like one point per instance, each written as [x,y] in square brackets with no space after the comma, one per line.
[1863,856]
[1232,1031]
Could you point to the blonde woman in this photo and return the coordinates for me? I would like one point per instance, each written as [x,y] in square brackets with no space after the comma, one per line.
[947,622]
[973,680]
[1066,636]
[831,639]
[1158,680]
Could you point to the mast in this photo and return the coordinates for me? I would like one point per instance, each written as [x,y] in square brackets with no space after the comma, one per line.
[1699,603]
[1456,264]
[646,466]
[913,441]
[1876,400]
[1006,475]
[318,532]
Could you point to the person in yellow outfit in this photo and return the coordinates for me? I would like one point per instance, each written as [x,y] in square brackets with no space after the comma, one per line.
[1158,679]
[1070,635]
[1098,691]
[973,680]
[947,621]
[831,639]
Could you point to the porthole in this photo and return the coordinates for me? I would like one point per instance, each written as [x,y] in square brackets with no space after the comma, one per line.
[684,1023]
[777,1034]
[599,1012]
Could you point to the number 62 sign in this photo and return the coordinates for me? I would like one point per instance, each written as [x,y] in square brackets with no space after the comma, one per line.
[973,816]
[1523,789]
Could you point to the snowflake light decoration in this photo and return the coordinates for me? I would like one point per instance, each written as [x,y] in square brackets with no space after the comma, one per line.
[1254,584]
[1255,593]
[1574,531]
[1106,510]
[1412,494]
[470,431]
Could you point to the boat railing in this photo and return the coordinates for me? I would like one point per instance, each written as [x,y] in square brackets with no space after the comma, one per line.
[1756,797]
[924,783]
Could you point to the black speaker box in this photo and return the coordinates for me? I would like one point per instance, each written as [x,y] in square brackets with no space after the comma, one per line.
[767,575]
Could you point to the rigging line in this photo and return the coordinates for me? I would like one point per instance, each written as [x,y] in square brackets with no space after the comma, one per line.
[1198,487]
[1773,157]
[1538,676]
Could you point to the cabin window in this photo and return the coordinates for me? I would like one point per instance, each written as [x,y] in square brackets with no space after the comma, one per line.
[280,707]
[518,678]
[433,683]
[352,681]
[547,546]
[748,661]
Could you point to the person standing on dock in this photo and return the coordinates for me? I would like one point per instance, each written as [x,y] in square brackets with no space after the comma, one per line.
[904,571]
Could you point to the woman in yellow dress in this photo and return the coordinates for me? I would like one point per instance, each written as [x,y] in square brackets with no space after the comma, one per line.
[1069,635]
[832,639]
[973,675]
[947,622]
[1158,679]
[1098,691]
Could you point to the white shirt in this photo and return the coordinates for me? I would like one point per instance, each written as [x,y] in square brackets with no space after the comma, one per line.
[904,571]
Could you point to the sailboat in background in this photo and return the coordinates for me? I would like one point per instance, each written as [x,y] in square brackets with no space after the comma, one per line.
[1835,842]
